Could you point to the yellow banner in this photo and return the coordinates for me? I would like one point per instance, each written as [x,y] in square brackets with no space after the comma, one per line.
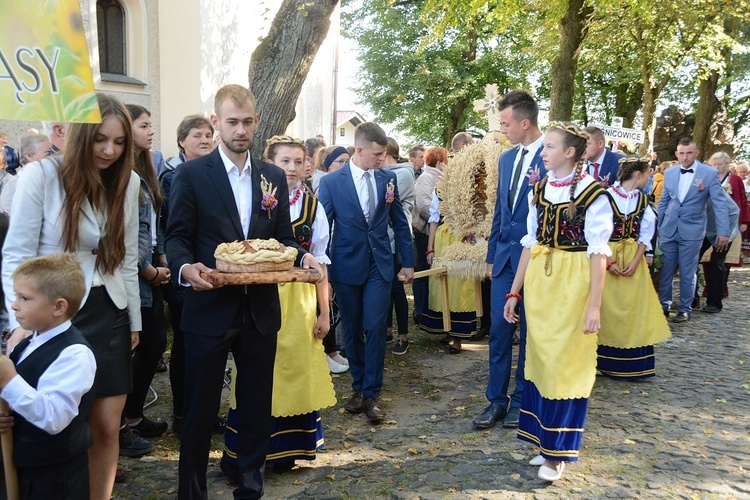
[45,73]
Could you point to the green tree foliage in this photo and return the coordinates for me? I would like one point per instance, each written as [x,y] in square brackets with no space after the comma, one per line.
[423,84]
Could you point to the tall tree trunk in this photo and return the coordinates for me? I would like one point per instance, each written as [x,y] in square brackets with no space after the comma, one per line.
[280,64]
[628,100]
[457,113]
[573,28]
[651,94]
[704,113]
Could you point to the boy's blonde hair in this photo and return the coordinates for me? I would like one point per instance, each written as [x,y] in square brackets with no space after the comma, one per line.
[56,276]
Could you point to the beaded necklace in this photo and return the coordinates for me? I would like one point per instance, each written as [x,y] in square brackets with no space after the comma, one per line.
[627,196]
[555,183]
[296,197]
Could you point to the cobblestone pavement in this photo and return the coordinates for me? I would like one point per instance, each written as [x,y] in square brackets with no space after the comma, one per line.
[683,434]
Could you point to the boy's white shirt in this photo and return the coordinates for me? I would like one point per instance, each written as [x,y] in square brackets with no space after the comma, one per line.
[54,403]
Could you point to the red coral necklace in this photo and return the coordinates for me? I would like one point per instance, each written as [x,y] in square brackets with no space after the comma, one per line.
[297,196]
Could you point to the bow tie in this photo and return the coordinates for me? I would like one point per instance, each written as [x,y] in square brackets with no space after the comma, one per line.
[686,170]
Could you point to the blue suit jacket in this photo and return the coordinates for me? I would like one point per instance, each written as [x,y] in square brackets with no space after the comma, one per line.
[687,219]
[509,223]
[355,241]
[203,214]
[610,165]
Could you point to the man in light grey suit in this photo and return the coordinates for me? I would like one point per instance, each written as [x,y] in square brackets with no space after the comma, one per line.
[682,224]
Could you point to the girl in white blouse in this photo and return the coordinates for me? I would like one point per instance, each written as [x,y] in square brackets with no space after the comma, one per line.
[562,273]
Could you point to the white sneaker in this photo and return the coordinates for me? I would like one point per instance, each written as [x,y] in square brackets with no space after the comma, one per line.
[338,358]
[334,367]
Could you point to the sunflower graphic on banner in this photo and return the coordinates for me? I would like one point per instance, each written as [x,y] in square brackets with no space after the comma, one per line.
[45,71]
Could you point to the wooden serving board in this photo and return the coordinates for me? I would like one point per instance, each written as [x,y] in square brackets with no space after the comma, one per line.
[294,275]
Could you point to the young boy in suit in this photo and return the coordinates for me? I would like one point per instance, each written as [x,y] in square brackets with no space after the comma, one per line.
[47,381]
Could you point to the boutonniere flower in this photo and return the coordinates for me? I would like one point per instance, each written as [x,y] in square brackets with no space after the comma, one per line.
[534,175]
[699,184]
[728,188]
[269,200]
[604,181]
[390,191]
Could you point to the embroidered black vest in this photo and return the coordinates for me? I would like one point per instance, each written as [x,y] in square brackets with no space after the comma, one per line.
[302,226]
[32,445]
[555,230]
[628,226]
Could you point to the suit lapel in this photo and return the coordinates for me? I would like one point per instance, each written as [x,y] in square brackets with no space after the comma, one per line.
[536,162]
[258,170]
[380,178]
[217,174]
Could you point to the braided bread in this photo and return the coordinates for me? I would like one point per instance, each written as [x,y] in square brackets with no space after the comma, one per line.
[257,255]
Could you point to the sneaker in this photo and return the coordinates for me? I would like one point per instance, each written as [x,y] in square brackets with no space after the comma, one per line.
[150,428]
[132,444]
[400,347]
[338,358]
[335,367]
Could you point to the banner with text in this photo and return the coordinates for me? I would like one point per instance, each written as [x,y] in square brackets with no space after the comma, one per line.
[45,73]
[623,134]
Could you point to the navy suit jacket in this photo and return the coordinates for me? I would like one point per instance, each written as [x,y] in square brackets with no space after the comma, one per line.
[609,167]
[509,223]
[203,214]
[686,219]
[354,241]
[11,158]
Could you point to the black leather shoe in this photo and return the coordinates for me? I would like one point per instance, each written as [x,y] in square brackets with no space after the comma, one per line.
[491,415]
[681,317]
[511,419]
[480,334]
[354,405]
[374,414]
[666,313]
[711,309]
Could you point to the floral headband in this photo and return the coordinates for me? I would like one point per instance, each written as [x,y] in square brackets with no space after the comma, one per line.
[570,128]
[635,159]
[283,139]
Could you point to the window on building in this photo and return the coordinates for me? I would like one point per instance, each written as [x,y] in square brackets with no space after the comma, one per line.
[110,18]
[342,132]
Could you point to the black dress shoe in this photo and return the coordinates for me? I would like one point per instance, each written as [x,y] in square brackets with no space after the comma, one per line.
[511,419]
[491,415]
[711,309]
[374,414]
[354,405]
[681,317]
[480,334]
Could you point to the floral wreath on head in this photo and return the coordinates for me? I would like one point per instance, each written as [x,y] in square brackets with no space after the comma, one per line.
[570,128]
[282,139]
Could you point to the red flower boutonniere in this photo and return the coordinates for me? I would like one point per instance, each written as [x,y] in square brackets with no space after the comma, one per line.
[269,200]
[390,192]
[699,184]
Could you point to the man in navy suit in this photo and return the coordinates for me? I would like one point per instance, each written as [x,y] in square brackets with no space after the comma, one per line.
[518,117]
[216,199]
[603,164]
[361,200]
[682,224]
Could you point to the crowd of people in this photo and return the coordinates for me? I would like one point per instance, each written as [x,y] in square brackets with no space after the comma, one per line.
[578,233]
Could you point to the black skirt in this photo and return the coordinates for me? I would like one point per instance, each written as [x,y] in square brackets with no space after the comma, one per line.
[107,329]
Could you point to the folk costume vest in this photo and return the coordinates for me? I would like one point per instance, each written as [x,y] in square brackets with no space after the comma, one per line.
[628,226]
[302,226]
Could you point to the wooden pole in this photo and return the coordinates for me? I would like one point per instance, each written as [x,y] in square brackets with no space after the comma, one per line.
[9,466]
[442,273]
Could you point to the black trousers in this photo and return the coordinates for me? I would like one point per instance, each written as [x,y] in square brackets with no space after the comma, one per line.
[67,480]
[177,359]
[205,358]
[152,344]
[715,272]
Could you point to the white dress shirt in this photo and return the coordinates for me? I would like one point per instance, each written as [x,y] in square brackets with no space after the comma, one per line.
[242,188]
[358,175]
[686,180]
[54,403]
[598,226]
[532,150]
[434,207]
[627,206]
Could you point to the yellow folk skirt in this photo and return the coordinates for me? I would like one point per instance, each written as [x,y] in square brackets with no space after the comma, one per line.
[560,359]
[301,379]
[631,313]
